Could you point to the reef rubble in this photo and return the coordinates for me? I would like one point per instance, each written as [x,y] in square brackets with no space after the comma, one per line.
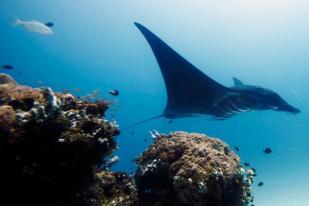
[192,169]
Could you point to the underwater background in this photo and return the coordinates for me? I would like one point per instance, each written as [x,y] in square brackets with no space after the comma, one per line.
[96,46]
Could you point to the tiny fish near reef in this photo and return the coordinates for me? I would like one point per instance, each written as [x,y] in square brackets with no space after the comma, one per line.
[261,184]
[6,66]
[113,92]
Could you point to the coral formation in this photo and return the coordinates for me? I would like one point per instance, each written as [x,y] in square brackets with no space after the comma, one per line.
[53,149]
[112,189]
[51,145]
[192,169]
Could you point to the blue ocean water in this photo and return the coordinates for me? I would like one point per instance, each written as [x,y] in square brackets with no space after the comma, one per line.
[96,46]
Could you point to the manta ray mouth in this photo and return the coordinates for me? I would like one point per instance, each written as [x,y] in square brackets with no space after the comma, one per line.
[288,108]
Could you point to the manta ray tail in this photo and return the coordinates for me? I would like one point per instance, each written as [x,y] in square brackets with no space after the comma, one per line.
[143,121]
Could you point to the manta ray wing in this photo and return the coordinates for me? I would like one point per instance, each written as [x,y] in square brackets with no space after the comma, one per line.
[189,91]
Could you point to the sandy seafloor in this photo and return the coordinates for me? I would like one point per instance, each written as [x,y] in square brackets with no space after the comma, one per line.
[96,46]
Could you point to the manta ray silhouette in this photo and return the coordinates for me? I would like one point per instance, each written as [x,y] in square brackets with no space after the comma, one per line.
[191,92]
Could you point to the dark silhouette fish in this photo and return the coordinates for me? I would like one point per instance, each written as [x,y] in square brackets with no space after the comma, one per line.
[114,92]
[191,92]
[267,150]
[9,67]
[261,184]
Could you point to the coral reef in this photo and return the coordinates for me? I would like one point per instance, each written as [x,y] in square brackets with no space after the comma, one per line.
[54,149]
[192,169]
[51,146]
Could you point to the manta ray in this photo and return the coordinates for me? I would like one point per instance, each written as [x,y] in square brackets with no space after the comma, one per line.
[190,92]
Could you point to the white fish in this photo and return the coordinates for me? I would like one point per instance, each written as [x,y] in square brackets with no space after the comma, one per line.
[34,26]
[154,134]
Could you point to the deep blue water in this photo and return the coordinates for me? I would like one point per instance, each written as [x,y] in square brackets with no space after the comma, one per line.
[96,46]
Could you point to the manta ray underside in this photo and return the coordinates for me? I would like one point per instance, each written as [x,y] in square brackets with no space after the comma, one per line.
[191,92]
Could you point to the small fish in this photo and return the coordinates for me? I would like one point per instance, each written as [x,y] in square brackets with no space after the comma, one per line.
[34,26]
[267,150]
[154,134]
[49,24]
[261,184]
[132,133]
[9,67]
[145,140]
[253,169]
[111,161]
[246,164]
[61,140]
[170,121]
[236,148]
[113,92]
